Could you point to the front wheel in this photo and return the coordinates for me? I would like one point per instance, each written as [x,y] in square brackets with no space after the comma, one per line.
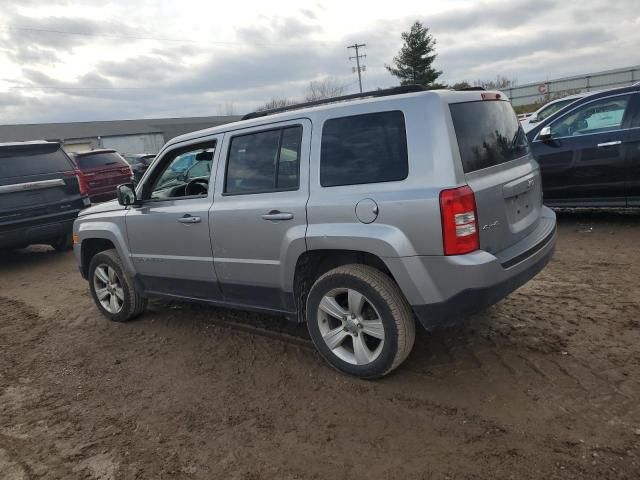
[359,321]
[112,288]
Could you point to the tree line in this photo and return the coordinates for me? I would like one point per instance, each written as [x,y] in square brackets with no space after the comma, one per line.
[413,65]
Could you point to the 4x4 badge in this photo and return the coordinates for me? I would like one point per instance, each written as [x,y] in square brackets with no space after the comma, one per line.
[491,225]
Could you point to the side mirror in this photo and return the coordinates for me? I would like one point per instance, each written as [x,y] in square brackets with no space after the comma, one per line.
[545,133]
[126,194]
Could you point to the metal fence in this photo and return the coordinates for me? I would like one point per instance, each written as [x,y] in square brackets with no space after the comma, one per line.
[551,89]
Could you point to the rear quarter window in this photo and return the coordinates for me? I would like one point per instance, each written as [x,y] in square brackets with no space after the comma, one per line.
[25,161]
[368,148]
[488,134]
[99,160]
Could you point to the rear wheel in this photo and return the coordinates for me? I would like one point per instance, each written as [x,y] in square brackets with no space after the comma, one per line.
[113,289]
[359,321]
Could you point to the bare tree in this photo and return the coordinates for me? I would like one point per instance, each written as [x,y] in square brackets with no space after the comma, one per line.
[276,102]
[328,87]
[499,83]
[227,108]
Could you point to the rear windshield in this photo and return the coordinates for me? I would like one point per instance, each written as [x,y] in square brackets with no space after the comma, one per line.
[98,160]
[488,134]
[32,160]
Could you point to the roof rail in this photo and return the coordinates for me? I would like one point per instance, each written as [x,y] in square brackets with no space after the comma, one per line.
[374,93]
[471,89]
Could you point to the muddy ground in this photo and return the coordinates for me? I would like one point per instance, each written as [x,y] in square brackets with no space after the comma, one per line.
[546,384]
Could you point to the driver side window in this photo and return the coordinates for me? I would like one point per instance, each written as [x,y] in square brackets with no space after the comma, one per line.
[184,173]
[595,117]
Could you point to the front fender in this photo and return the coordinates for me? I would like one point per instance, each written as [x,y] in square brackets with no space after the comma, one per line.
[112,230]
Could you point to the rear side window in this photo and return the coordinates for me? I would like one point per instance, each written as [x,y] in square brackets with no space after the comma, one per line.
[99,160]
[488,134]
[361,149]
[594,117]
[33,160]
[264,161]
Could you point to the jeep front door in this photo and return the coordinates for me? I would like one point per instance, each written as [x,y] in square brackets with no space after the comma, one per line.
[169,233]
[258,218]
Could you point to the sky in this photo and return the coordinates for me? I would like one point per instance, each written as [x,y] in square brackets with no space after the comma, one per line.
[66,60]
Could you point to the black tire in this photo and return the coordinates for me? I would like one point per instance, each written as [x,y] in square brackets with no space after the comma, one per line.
[385,297]
[133,304]
[63,243]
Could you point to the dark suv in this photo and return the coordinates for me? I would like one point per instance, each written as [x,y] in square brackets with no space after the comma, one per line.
[41,194]
[589,151]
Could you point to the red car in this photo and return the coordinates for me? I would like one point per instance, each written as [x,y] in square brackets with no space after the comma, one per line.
[102,171]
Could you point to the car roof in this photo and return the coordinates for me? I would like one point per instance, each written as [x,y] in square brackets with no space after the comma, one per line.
[26,144]
[568,97]
[446,95]
[591,96]
[92,152]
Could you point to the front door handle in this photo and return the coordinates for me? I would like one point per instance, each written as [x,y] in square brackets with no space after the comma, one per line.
[275,215]
[189,219]
[609,144]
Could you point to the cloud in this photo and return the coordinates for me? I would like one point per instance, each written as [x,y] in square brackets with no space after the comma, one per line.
[32,41]
[278,54]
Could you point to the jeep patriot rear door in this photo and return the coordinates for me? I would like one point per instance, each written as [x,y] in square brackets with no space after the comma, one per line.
[258,218]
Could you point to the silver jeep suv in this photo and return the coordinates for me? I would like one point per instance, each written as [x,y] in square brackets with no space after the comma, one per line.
[356,215]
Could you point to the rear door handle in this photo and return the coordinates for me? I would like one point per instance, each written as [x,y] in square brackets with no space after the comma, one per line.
[609,144]
[189,219]
[274,215]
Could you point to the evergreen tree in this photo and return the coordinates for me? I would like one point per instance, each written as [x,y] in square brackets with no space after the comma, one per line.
[413,63]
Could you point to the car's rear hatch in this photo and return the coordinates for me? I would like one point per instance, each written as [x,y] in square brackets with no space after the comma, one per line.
[37,185]
[103,171]
[499,169]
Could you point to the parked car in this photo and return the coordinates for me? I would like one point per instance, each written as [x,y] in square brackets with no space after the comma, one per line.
[139,164]
[589,152]
[41,193]
[549,109]
[354,215]
[103,171]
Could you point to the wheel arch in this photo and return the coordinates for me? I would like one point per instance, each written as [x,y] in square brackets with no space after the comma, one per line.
[312,264]
[97,238]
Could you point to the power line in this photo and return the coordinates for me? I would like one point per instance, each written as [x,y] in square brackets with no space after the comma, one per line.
[156,39]
[357,56]
[130,37]
[56,87]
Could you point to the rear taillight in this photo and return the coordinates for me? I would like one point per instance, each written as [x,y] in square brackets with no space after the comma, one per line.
[126,171]
[82,182]
[459,221]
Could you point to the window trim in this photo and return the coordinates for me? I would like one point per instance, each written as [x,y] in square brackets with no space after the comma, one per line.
[169,156]
[537,139]
[281,128]
[406,139]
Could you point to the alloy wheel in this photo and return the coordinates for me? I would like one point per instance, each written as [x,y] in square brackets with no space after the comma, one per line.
[351,326]
[108,288]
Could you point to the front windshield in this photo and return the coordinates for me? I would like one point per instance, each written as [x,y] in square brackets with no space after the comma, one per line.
[551,109]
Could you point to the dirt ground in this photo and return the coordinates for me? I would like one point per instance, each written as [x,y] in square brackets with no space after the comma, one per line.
[546,384]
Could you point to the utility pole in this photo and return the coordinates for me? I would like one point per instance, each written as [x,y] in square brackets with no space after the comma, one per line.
[357,56]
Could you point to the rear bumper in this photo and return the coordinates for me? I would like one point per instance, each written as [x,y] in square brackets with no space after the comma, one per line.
[31,234]
[104,194]
[444,290]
